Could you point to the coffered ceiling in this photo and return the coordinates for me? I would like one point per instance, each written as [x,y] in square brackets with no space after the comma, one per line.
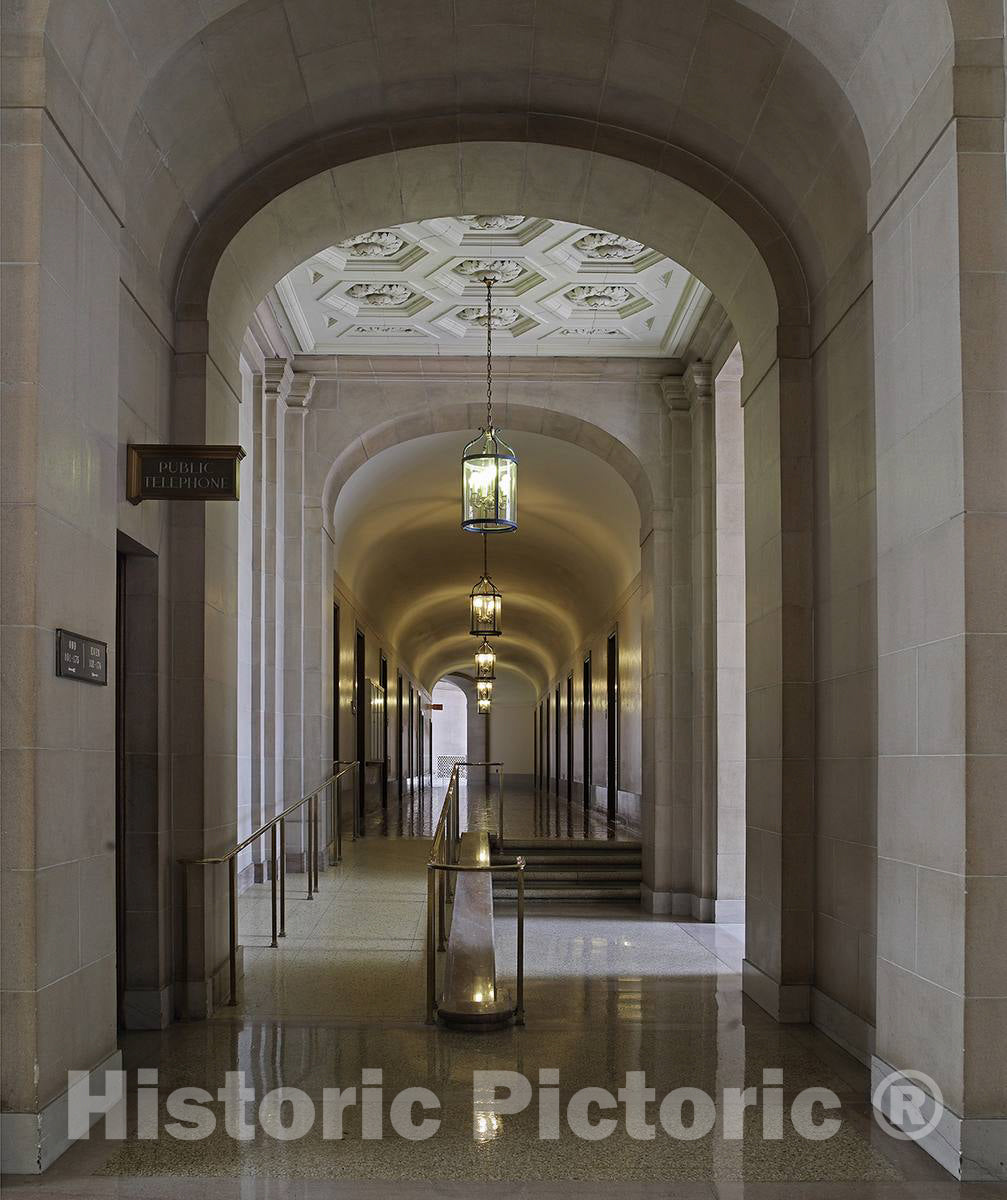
[564,290]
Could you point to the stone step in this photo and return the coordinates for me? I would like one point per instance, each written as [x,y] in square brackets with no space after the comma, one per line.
[528,846]
[589,874]
[609,893]
[573,860]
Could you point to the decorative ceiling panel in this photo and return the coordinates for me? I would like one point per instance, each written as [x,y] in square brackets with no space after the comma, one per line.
[564,289]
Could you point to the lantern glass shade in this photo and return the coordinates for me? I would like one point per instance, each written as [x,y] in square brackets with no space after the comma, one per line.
[486,661]
[483,707]
[489,485]
[484,689]
[484,609]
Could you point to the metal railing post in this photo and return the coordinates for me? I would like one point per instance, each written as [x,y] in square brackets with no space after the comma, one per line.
[273,881]
[306,843]
[519,1011]
[313,807]
[283,877]
[338,804]
[232,921]
[431,952]
[442,885]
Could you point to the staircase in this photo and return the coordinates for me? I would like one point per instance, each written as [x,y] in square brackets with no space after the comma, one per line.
[572,871]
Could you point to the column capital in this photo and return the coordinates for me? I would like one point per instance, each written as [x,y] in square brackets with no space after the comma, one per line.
[698,382]
[277,375]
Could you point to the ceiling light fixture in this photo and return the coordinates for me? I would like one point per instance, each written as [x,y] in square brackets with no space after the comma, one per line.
[484,605]
[486,661]
[489,465]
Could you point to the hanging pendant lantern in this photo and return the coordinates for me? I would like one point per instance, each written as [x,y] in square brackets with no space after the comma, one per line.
[483,707]
[489,465]
[484,689]
[485,603]
[486,661]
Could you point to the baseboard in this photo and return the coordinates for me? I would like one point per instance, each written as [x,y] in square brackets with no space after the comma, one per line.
[148,1008]
[843,1026]
[973,1150]
[199,998]
[790,1004]
[659,903]
[729,912]
[31,1142]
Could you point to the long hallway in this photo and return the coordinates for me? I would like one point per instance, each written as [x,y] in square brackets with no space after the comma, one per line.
[529,812]
[609,991]
[614,390]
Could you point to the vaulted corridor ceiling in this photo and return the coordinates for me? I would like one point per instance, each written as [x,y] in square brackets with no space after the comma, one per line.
[399,548]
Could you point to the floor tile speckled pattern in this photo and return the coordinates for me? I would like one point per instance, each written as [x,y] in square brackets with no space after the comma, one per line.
[609,990]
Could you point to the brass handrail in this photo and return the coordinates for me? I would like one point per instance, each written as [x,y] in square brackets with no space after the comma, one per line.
[443,866]
[517,866]
[278,863]
[448,827]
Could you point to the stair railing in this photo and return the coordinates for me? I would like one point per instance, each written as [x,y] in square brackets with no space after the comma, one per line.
[276,827]
[441,871]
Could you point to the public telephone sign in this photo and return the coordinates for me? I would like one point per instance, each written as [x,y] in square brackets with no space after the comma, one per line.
[182,473]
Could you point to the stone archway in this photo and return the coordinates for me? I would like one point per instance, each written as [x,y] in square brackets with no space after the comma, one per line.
[759,281]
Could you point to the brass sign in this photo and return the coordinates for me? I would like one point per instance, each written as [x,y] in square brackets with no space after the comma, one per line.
[182,473]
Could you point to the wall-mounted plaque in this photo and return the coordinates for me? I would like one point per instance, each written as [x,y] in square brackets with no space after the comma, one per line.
[79,657]
[182,473]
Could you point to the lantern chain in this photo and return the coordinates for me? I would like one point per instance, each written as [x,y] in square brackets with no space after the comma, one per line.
[489,353]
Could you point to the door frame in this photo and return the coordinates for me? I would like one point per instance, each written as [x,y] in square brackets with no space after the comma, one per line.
[612,723]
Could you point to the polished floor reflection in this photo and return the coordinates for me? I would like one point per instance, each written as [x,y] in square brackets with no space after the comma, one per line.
[529,812]
[609,990]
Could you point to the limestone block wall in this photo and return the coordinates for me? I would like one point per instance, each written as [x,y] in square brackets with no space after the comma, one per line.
[59,364]
[940,253]
[845,594]
[729,662]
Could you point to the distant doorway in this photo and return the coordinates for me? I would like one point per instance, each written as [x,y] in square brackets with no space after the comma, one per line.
[612,723]
[450,729]
[588,751]
[360,704]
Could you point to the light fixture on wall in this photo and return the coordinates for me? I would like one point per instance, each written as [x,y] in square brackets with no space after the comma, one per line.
[484,605]
[489,465]
[483,707]
[486,661]
[484,689]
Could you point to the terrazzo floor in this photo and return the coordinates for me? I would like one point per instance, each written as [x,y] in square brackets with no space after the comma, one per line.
[609,990]
[528,813]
